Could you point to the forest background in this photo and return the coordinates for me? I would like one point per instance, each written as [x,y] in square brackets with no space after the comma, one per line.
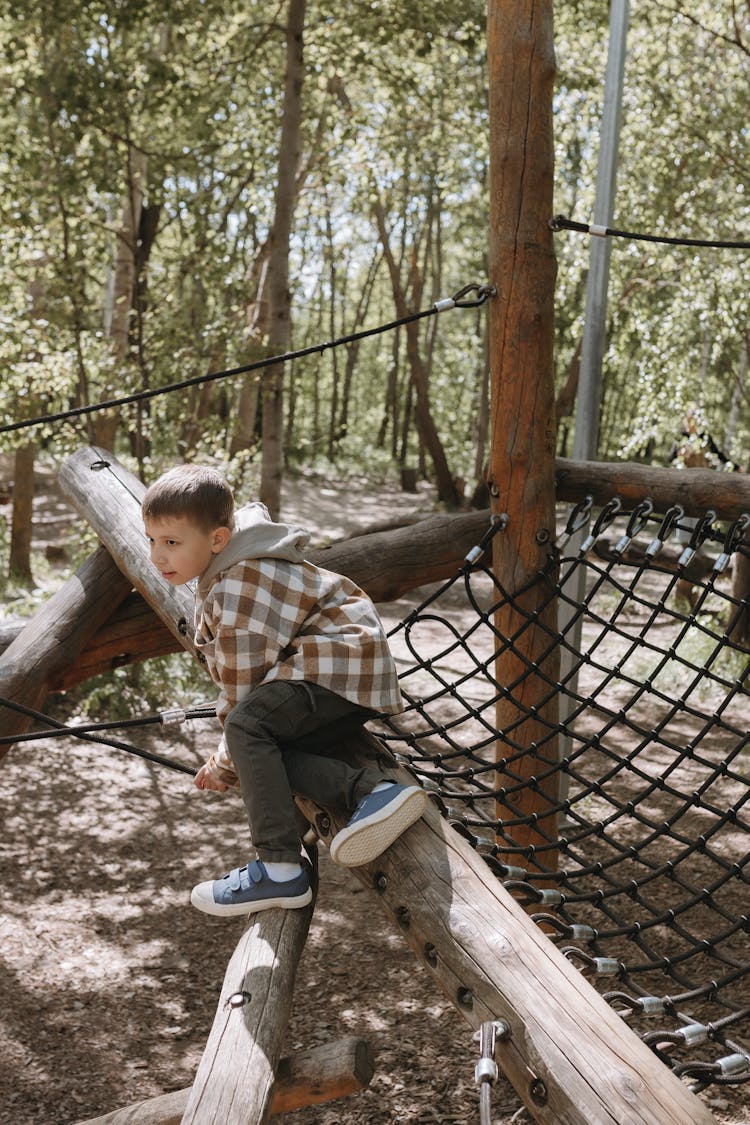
[193,185]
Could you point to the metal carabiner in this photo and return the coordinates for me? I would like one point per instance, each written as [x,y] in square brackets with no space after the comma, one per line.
[482,293]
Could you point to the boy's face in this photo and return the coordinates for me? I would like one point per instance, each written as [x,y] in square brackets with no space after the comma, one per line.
[180,550]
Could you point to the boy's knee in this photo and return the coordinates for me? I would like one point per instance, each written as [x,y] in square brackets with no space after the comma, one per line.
[265,712]
[241,722]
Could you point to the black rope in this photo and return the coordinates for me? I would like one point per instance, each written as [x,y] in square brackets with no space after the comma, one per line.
[77,732]
[459,300]
[641,831]
[62,731]
[560,222]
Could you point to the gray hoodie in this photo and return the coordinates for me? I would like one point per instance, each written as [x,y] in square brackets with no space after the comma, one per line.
[255,536]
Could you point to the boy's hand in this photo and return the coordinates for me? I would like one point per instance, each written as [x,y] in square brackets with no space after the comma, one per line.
[204,780]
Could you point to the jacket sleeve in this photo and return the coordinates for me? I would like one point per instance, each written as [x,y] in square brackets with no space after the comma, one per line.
[221,766]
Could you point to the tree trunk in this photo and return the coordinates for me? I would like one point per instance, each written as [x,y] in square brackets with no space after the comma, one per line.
[279,297]
[19,566]
[122,290]
[522,467]
[390,407]
[446,486]
[330,254]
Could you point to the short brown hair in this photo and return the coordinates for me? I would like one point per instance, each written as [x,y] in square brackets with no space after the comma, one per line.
[194,492]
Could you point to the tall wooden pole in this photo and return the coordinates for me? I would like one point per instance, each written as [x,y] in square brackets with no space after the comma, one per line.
[521,67]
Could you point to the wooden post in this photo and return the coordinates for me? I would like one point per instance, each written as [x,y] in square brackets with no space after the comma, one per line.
[570,1057]
[332,1070]
[521,479]
[56,636]
[235,1079]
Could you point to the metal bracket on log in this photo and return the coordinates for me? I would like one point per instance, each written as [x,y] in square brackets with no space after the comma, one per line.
[570,1057]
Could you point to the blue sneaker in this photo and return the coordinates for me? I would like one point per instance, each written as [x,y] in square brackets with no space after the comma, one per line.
[249,889]
[378,820]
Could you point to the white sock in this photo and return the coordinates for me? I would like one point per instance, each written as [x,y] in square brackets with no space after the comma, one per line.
[383,785]
[282,872]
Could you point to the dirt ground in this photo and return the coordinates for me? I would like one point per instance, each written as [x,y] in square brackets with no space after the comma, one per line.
[110,979]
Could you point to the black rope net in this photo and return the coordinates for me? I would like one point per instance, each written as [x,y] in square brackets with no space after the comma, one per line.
[635,856]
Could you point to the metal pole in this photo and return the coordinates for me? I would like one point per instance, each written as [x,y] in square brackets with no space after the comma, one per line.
[588,401]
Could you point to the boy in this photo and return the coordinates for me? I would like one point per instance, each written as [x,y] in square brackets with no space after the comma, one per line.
[301,658]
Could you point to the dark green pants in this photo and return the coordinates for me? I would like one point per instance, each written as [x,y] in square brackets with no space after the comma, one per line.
[279,737]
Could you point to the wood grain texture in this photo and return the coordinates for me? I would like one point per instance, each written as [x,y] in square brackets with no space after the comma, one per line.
[522,267]
[696,490]
[235,1078]
[109,497]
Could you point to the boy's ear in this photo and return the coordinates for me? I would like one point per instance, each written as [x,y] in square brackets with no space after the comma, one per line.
[220,538]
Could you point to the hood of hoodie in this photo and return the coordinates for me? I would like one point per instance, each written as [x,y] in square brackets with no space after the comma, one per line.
[256,536]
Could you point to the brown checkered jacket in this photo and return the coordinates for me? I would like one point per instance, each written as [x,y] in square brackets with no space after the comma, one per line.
[267,619]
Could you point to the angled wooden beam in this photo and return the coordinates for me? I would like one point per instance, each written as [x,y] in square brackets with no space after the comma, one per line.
[234,1084]
[109,496]
[570,1057]
[55,637]
[322,1074]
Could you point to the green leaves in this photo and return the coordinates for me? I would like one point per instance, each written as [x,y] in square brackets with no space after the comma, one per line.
[395,112]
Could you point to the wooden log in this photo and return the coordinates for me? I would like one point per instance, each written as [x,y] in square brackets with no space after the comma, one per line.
[333,1070]
[109,496]
[55,636]
[235,1078]
[697,490]
[521,72]
[322,1074]
[388,564]
[570,1057]
[133,633]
